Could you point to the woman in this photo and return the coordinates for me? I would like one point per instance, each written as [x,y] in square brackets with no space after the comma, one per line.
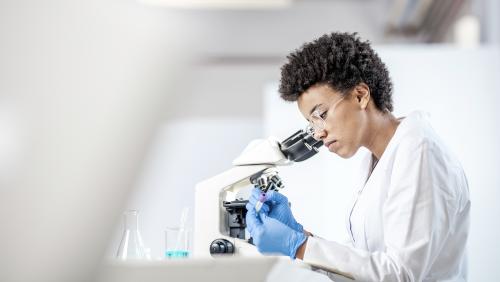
[409,219]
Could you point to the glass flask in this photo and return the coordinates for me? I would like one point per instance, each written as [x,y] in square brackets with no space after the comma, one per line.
[131,245]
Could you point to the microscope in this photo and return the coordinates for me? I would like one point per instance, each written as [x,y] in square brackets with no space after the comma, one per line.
[219,216]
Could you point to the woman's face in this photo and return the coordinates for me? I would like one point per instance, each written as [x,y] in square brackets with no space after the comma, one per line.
[344,116]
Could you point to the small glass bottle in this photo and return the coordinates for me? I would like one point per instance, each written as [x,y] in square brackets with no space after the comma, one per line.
[131,245]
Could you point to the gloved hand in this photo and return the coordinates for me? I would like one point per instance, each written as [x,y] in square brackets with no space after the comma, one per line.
[272,236]
[276,206]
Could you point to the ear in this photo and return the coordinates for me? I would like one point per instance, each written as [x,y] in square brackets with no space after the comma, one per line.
[362,95]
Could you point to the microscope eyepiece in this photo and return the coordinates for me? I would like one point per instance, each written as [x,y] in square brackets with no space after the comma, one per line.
[300,146]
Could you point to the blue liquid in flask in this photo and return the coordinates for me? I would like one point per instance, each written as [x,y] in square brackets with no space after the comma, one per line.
[175,254]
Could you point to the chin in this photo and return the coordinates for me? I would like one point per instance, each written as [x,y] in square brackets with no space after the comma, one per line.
[346,153]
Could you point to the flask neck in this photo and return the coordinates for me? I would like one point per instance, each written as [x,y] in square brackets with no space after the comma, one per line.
[131,218]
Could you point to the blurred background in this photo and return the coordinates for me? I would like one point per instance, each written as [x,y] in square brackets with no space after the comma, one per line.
[112,105]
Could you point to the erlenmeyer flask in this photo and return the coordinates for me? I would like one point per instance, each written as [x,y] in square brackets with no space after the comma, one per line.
[131,245]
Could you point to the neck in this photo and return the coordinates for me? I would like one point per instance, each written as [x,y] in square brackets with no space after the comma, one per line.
[382,127]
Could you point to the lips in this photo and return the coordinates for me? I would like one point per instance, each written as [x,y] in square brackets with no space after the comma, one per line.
[327,144]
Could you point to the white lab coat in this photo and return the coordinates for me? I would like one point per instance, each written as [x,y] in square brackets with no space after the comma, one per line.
[409,221]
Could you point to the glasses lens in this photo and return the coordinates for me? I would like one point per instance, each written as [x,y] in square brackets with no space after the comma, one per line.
[317,123]
[309,130]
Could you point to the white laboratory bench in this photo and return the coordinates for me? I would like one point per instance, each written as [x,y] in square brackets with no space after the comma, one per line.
[241,269]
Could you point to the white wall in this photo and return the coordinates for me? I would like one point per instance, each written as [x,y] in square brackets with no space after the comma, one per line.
[460,88]
[82,86]
[461,91]
[275,32]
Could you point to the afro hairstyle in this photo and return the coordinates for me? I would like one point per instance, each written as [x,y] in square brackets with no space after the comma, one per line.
[341,61]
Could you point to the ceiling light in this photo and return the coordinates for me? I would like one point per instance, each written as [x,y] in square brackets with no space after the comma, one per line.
[220,4]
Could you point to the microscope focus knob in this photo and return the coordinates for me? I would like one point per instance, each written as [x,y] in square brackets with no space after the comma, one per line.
[221,246]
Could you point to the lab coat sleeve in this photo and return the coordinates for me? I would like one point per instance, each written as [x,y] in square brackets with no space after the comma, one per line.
[417,214]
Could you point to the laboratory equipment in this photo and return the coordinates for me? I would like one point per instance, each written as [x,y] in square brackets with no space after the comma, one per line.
[219,227]
[264,185]
[176,242]
[131,245]
[177,238]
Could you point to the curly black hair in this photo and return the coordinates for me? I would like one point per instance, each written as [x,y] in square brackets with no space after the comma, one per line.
[340,60]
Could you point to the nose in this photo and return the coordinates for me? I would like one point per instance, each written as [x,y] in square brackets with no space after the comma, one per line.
[319,134]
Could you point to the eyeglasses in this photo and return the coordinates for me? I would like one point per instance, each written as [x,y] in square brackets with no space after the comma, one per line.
[317,119]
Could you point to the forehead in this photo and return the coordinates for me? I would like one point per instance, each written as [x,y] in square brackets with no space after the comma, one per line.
[314,96]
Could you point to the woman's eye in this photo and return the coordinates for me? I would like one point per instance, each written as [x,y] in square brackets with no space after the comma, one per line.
[323,114]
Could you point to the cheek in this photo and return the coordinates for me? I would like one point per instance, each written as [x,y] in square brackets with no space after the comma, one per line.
[347,128]
[349,146]
[349,132]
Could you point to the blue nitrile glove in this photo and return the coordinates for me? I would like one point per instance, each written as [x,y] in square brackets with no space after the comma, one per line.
[276,206]
[272,236]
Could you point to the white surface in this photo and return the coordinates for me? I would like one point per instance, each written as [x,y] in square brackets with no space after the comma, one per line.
[460,89]
[269,269]
[261,151]
[189,270]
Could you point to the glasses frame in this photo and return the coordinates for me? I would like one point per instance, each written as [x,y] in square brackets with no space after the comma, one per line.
[317,119]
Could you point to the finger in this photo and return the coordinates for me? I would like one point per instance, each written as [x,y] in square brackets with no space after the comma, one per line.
[262,217]
[250,221]
[254,195]
[253,198]
[276,197]
[249,206]
[252,202]
[256,192]
[252,217]
[265,209]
